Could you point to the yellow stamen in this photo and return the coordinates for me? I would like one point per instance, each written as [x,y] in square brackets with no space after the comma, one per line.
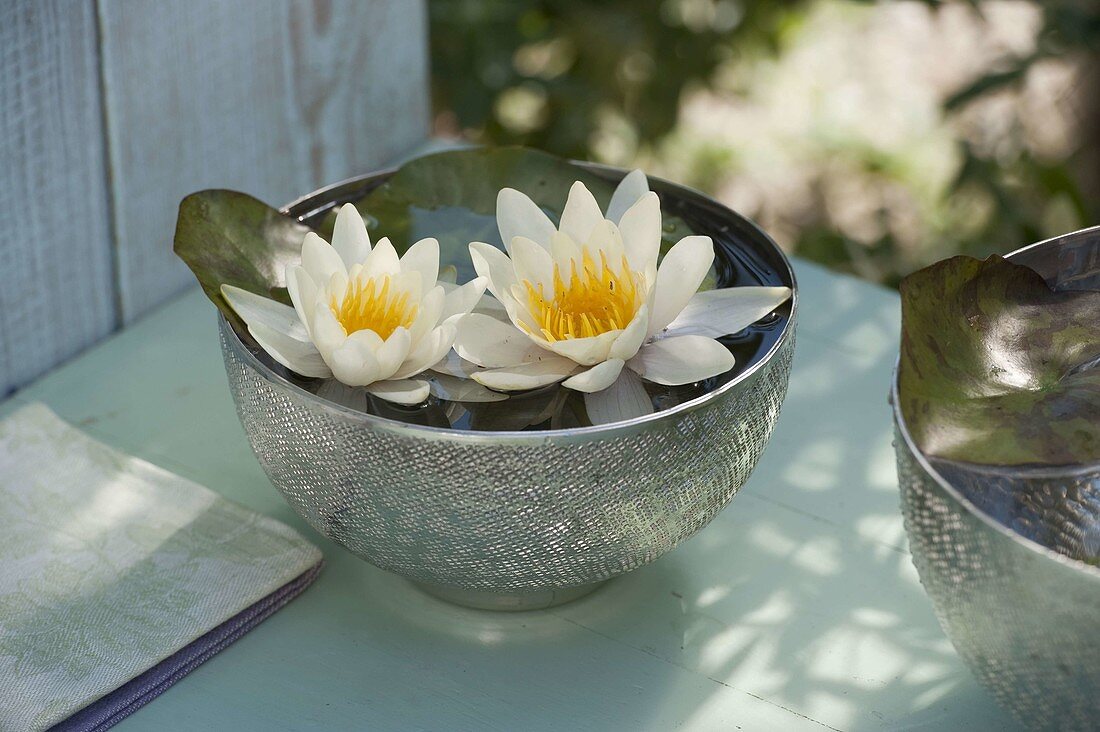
[595,300]
[373,305]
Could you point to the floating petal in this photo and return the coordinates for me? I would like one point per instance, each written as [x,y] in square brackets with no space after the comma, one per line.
[400,391]
[300,357]
[597,378]
[716,313]
[255,309]
[681,360]
[625,399]
[548,370]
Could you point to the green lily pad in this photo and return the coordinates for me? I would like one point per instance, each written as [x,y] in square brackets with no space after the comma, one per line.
[998,369]
[452,196]
[231,238]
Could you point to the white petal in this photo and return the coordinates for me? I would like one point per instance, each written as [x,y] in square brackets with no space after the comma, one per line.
[631,337]
[518,215]
[486,304]
[382,260]
[626,398]
[494,265]
[564,251]
[681,360]
[448,274]
[352,397]
[461,300]
[519,309]
[392,353]
[298,356]
[641,231]
[319,259]
[353,362]
[586,351]
[581,213]
[720,312]
[454,365]
[632,187]
[489,305]
[407,282]
[678,278]
[349,236]
[597,378]
[488,342]
[605,238]
[368,339]
[327,332]
[303,293]
[428,314]
[532,263]
[454,389]
[428,352]
[649,282]
[400,391]
[336,286]
[255,309]
[547,370]
[423,257]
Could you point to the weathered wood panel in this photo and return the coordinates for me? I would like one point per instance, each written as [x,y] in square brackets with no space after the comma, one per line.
[56,284]
[111,111]
[274,98]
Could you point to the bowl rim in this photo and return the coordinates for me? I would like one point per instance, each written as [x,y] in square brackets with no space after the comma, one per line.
[533,437]
[925,464]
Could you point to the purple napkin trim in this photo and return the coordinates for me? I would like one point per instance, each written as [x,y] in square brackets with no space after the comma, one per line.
[112,708]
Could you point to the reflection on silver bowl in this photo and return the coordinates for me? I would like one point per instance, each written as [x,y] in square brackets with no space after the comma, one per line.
[514,520]
[996,550]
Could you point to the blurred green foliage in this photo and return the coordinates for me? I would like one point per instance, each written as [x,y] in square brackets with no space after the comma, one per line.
[546,73]
[556,74]
[1022,186]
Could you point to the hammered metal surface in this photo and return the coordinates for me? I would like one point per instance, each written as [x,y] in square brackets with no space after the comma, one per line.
[1061,512]
[526,513]
[1023,620]
[992,548]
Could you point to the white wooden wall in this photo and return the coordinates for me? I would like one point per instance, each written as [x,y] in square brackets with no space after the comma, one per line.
[113,110]
[56,281]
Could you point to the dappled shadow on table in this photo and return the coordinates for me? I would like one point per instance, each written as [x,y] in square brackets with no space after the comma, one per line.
[800,595]
[802,591]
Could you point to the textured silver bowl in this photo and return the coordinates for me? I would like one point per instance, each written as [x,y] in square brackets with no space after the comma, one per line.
[993,549]
[514,520]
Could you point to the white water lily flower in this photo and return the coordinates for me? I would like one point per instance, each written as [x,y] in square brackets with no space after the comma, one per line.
[361,314]
[587,304]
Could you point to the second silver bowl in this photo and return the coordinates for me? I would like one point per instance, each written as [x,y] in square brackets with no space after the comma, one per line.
[993,548]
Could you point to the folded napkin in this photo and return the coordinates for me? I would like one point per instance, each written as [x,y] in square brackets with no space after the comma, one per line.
[117,577]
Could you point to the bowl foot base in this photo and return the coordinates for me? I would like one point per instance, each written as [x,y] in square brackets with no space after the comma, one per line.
[508,601]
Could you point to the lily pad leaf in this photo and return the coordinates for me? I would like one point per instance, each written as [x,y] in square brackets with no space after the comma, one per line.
[452,196]
[231,238]
[998,369]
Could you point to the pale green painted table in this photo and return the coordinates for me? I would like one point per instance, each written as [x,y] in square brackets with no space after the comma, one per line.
[797,608]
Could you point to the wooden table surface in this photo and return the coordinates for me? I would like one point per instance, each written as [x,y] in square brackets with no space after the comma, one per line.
[797,608]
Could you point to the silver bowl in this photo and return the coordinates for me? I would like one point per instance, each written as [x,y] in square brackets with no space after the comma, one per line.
[522,519]
[993,548]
